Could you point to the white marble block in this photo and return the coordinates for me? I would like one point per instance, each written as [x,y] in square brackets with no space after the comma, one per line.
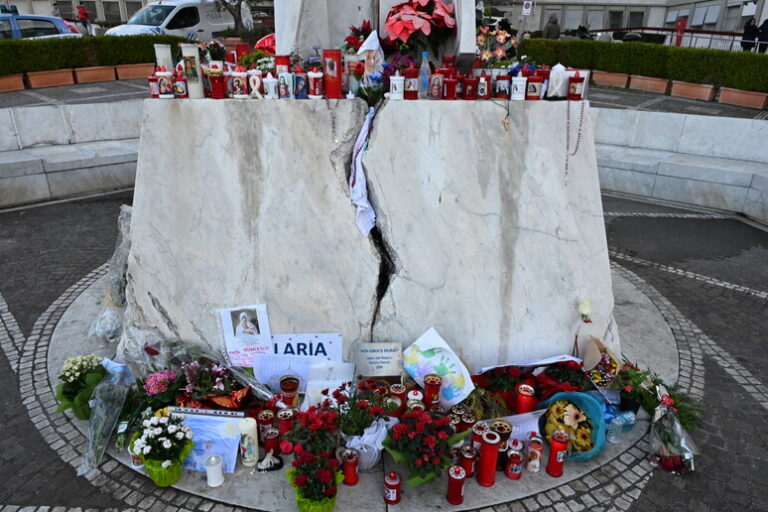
[242,202]
[492,247]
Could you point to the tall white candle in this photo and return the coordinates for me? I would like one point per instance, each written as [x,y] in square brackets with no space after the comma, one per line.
[191,62]
[249,442]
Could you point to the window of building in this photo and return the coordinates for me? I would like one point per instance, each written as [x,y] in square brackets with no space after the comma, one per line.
[671,17]
[635,19]
[5,29]
[615,19]
[713,13]
[731,17]
[36,28]
[111,12]
[698,16]
[132,8]
[595,20]
[66,11]
[185,18]
[572,19]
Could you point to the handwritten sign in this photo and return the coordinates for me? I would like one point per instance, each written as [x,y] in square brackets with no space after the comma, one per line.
[379,359]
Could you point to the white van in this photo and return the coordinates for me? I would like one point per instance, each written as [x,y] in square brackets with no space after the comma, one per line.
[199,20]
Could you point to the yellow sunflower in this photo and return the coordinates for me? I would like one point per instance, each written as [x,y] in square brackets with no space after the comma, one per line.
[583,439]
[557,409]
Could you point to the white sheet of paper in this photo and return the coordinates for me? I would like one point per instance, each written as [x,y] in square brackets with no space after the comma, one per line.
[522,424]
[313,395]
[244,337]
[378,359]
[321,345]
[537,362]
[332,371]
[431,354]
[269,368]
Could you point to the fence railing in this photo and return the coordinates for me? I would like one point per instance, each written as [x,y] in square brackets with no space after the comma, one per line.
[690,38]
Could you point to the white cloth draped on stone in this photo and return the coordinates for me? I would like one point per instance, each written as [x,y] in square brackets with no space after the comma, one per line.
[358,187]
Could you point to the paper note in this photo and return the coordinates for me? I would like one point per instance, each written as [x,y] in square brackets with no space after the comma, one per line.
[431,354]
[269,369]
[379,359]
[245,330]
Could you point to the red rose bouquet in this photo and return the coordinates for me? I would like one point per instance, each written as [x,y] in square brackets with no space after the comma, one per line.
[423,441]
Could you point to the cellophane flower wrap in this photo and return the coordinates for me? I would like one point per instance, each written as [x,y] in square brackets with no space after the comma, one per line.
[80,376]
[671,447]
[211,384]
[315,476]
[582,416]
[422,440]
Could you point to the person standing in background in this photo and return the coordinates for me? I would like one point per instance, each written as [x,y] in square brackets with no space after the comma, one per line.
[82,17]
[55,10]
[551,29]
[749,35]
[762,37]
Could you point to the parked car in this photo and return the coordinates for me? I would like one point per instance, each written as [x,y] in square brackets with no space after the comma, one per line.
[198,20]
[28,26]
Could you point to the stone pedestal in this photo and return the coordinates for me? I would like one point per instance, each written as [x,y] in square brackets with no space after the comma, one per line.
[482,235]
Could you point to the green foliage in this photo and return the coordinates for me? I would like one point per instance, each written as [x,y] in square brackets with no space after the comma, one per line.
[740,70]
[20,56]
[75,395]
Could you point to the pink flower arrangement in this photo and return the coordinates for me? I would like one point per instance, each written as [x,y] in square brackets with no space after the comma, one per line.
[158,382]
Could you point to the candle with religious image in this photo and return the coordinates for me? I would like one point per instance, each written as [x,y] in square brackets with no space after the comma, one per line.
[300,85]
[433,381]
[533,88]
[449,88]
[393,491]
[266,419]
[435,91]
[534,452]
[270,86]
[575,86]
[240,83]
[470,88]
[411,91]
[154,90]
[164,83]
[332,73]
[484,86]
[190,57]
[558,449]
[502,87]
[514,467]
[285,86]
[350,459]
[282,64]
[249,442]
[315,78]
[396,86]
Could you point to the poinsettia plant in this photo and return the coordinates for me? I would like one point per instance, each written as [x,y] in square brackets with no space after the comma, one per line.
[421,22]
[355,39]
[423,441]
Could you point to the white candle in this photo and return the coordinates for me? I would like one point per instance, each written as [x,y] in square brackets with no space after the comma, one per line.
[518,86]
[163,56]
[396,86]
[191,61]
[249,442]
[270,83]
[214,470]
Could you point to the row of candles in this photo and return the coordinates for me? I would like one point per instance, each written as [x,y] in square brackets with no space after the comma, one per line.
[223,80]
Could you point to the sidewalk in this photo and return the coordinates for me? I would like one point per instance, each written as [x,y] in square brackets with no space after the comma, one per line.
[607,97]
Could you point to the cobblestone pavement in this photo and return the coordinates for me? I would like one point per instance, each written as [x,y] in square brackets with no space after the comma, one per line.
[607,97]
[702,271]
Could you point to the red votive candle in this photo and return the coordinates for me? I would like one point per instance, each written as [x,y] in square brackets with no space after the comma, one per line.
[350,458]
[514,466]
[415,394]
[218,86]
[484,86]
[489,455]
[285,420]
[525,401]
[272,441]
[392,488]
[456,478]
[467,460]
[432,383]
[467,422]
[154,89]
[411,92]
[289,389]
[478,429]
[575,87]
[449,88]
[533,86]
[266,419]
[558,449]
[470,88]
[394,406]
[399,390]
[332,72]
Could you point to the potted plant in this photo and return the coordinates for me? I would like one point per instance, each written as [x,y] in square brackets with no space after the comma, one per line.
[50,78]
[216,54]
[10,83]
[704,92]
[423,24]
[620,80]
[750,99]
[361,418]
[423,440]
[94,74]
[650,84]
[315,479]
[80,376]
[163,445]
[131,71]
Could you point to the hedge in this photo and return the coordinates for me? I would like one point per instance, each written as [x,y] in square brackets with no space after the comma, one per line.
[741,70]
[20,56]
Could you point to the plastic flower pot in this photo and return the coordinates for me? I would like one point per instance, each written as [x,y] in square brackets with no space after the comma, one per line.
[307,505]
[166,477]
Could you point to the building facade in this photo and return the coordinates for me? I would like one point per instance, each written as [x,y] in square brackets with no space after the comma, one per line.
[712,15]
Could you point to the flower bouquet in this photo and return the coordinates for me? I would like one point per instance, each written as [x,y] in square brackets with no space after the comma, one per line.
[581,415]
[162,446]
[671,447]
[361,419]
[316,430]
[493,46]
[210,385]
[372,89]
[315,479]
[354,40]
[501,381]
[80,376]
[566,377]
[423,441]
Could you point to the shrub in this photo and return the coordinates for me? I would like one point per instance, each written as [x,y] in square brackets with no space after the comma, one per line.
[20,56]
